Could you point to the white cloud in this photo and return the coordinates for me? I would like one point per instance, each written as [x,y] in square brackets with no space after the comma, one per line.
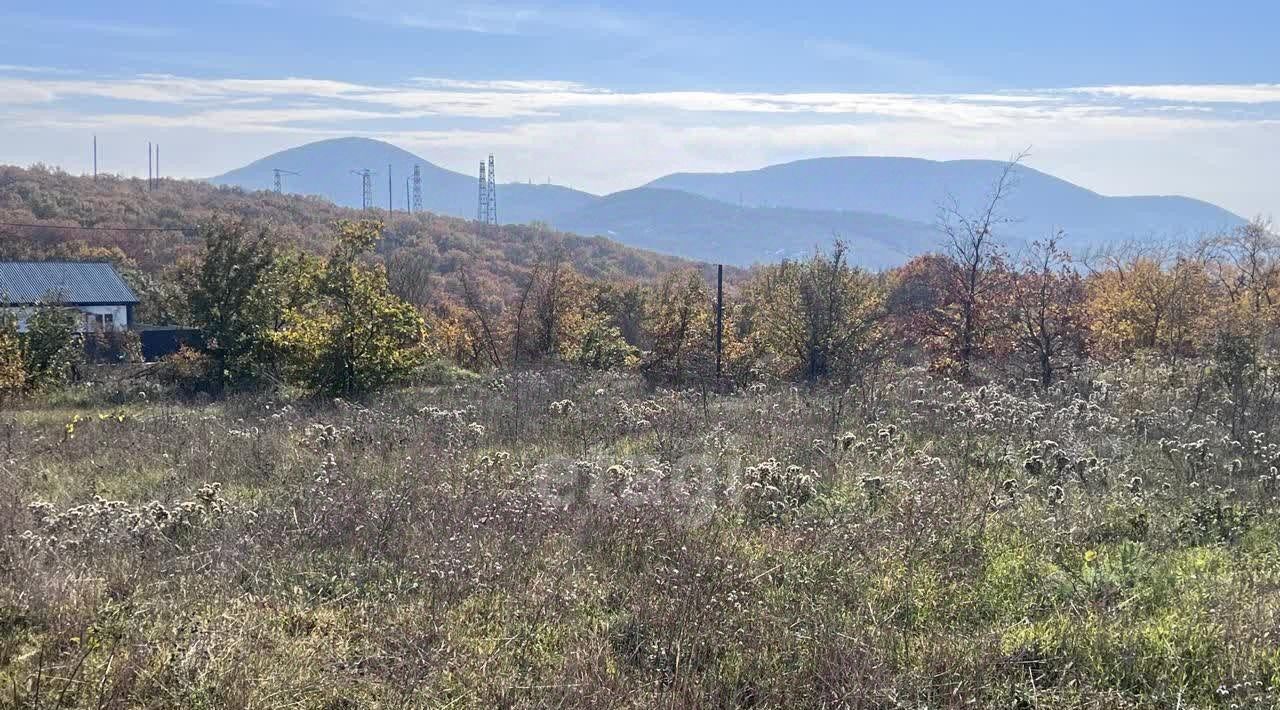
[527,98]
[1192,93]
[1205,141]
[504,17]
[500,85]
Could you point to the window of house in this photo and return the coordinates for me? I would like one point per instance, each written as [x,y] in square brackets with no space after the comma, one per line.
[100,321]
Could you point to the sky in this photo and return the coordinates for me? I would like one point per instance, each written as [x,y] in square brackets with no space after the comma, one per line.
[1123,97]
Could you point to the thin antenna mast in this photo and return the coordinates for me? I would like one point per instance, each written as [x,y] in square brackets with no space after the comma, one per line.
[482,208]
[390,194]
[149,163]
[95,157]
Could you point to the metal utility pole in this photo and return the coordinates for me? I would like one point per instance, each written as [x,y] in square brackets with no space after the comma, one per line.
[279,184]
[482,208]
[417,188]
[149,164]
[408,208]
[156,182]
[492,217]
[719,318]
[95,157]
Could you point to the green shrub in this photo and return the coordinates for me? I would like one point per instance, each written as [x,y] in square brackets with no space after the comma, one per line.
[50,348]
[13,373]
[355,336]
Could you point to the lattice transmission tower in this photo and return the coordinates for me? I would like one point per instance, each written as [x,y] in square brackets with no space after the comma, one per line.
[417,188]
[492,216]
[279,183]
[366,187]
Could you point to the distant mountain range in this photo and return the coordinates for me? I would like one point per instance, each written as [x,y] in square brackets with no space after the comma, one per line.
[885,208]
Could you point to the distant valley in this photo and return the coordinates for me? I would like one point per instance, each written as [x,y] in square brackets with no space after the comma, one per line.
[885,208]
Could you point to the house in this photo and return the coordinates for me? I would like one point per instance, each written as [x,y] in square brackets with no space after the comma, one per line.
[95,289]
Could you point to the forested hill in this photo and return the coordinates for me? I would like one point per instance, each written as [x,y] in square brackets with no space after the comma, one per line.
[425,247]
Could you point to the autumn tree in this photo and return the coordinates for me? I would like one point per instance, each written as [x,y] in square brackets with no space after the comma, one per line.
[355,335]
[1244,268]
[976,270]
[230,300]
[679,323]
[927,305]
[455,336]
[817,318]
[599,344]
[548,314]
[50,346]
[625,304]
[13,373]
[411,274]
[481,319]
[1149,297]
[952,303]
[1048,325]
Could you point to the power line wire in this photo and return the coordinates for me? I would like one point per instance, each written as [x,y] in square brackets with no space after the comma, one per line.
[101,229]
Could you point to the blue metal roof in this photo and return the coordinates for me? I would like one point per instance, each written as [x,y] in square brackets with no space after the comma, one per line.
[70,282]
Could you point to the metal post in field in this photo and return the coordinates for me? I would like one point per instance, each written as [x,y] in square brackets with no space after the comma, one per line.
[719,318]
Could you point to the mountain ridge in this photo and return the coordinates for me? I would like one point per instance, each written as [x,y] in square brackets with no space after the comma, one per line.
[914,188]
[325,171]
[711,230]
[763,214]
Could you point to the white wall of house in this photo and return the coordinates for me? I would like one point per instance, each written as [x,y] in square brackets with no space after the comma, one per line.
[91,317]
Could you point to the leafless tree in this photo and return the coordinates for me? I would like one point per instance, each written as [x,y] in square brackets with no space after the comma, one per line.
[471,297]
[411,275]
[1048,310]
[974,248]
[1245,264]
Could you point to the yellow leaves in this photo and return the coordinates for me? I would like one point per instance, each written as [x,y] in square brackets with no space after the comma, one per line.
[353,335]
[815,317]
[69,429]
[358,236]
[1141,303]
[117,415]
[13,375]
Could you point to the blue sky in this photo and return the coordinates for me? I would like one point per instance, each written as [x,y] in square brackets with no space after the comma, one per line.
[1150,97]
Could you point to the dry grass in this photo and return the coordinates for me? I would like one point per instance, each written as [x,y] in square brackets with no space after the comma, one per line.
[557,539]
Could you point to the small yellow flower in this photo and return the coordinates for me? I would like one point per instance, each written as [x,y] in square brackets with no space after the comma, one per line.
[1090,555]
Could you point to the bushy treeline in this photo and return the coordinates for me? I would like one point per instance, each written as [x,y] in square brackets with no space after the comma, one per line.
[51,351]
[272,314]
[274,308]
[971,310]
[423,253]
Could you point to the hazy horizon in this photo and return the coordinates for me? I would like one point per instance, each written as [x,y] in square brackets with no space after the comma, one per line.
[1149,99]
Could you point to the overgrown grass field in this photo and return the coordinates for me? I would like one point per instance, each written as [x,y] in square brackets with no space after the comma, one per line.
[562,539]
